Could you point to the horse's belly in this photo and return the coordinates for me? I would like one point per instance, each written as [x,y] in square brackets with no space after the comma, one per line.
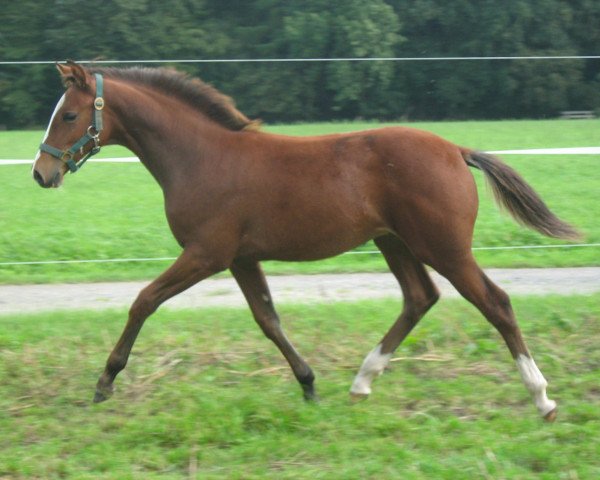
[309,240]
[311,217]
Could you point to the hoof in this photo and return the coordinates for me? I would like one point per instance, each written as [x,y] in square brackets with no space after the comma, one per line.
[358,397]
[313,398]
[102,394]
[551,415]
[309,394]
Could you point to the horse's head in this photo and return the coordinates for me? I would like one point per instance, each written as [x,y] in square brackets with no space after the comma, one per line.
[73,134]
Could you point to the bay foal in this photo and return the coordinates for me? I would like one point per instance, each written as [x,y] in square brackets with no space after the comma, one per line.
[235,196]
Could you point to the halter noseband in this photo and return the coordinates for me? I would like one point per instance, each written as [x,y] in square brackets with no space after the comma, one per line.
[92,134]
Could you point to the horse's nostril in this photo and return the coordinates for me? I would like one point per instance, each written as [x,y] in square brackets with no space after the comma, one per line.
[38,178]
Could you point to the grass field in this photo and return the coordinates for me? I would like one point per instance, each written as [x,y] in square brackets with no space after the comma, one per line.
[115,210]
[206,396]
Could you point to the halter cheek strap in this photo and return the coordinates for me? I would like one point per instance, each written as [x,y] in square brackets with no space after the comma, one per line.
[91,135]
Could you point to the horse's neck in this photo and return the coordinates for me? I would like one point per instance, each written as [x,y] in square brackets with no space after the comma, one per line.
[165,135]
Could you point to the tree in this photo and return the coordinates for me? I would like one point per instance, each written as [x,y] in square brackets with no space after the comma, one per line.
[283,92]
[487,28]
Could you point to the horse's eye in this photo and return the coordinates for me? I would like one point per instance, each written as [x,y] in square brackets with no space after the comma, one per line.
[69,117]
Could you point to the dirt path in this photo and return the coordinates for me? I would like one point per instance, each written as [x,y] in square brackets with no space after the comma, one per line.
[286,289]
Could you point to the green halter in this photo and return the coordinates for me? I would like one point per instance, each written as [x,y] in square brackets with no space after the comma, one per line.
[92,134]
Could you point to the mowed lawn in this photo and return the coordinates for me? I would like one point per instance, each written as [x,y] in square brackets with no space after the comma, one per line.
[111,211]
[206,396]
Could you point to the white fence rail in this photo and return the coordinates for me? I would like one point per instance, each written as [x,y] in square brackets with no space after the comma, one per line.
[534,151]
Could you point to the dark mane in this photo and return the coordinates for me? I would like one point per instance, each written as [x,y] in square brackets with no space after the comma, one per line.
[193,91]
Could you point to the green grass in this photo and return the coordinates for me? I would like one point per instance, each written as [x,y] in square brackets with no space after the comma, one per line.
[205,395]
[116,211]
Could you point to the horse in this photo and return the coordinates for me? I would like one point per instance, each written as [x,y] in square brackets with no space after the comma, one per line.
[236,195]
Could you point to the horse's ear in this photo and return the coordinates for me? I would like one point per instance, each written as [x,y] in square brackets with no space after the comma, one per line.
[72,74]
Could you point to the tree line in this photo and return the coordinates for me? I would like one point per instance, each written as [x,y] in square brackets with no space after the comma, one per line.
[290,92]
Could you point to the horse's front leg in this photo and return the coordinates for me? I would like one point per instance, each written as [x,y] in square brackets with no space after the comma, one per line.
[253,284]
[191,267]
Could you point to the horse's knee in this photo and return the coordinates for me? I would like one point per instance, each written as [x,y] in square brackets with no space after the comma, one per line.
[417,306]
[270,325]
[143,306]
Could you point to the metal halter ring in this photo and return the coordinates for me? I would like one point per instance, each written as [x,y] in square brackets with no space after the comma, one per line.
[91,129]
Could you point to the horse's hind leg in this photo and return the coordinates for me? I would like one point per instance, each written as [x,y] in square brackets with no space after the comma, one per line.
[495,305]
[253,284]
[419,295]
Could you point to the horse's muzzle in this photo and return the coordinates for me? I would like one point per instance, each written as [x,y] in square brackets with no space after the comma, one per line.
[54,182]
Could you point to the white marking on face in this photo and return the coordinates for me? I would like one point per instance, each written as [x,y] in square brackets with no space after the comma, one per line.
[56,109]
[535,383]
[373,366]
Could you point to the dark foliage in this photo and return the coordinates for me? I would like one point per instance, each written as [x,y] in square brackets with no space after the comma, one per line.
[286,92]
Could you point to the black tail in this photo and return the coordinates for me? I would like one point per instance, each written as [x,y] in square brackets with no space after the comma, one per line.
[516,195]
